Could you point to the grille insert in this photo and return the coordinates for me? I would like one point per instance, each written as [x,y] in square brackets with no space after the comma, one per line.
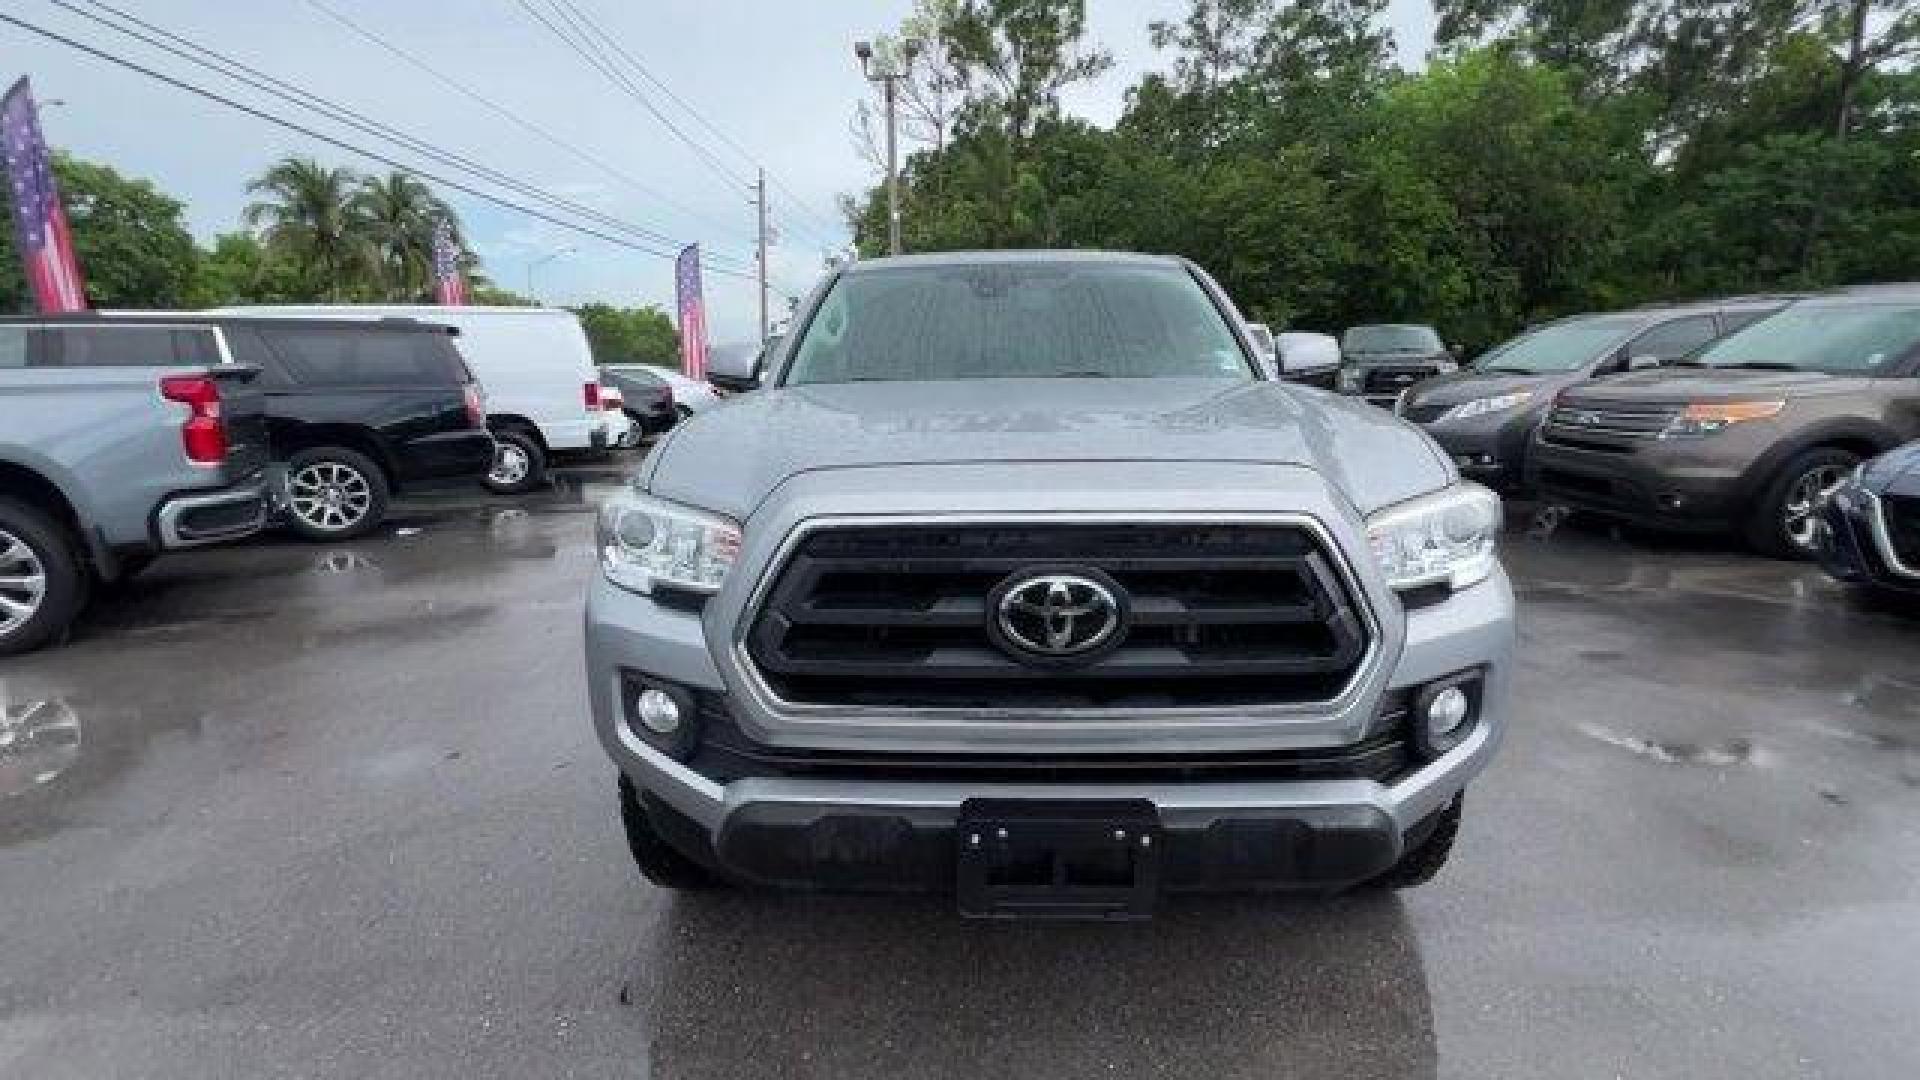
[897,616]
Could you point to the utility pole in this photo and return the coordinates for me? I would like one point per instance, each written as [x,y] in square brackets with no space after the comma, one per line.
[760,205]
[888,72]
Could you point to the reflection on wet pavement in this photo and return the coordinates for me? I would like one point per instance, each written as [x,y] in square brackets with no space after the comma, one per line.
[39,740]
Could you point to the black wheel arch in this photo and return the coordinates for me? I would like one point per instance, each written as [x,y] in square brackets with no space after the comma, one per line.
[499,422]
[360,440]
[25,484]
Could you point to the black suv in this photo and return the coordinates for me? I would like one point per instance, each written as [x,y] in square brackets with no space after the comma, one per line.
[1484,416]
[1379,360]
[358,411]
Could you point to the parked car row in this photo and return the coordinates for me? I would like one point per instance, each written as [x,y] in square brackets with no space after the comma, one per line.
[126,434]
[1756,416]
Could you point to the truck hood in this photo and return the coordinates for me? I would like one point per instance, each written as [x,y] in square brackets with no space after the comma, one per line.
[731,458]
[1677,385]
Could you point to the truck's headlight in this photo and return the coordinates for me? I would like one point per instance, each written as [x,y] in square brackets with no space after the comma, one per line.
[1467,410]
[1699,421]
[646,542]
[1447,537]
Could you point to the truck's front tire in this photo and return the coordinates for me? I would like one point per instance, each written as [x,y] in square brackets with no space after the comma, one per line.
[42,583]
[1424,859]
[659,861]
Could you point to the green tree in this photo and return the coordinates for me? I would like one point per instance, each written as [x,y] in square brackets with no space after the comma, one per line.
[310,216]
[239,269]
[399,216]
[636,335]
[131,240]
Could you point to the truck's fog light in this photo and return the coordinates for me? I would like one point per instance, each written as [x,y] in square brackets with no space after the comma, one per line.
[1445,713]
[660,713]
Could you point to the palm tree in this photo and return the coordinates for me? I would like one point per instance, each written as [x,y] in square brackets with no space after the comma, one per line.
[400,214]
[311,217]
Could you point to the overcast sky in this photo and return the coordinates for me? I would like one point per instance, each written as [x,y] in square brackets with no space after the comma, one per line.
[776,76]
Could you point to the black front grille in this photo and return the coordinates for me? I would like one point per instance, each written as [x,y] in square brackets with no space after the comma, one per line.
[1395,379]
[1903,526]
[897,616]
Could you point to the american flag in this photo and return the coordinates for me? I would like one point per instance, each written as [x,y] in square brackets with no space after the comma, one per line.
[693,313]
[39,221]
[450,286]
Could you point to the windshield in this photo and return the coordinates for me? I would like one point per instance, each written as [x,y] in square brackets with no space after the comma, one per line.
[1391,338]
[1856,339]
[1562,346]
[1017,320]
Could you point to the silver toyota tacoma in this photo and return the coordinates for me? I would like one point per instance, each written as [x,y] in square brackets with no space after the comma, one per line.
[1015,576]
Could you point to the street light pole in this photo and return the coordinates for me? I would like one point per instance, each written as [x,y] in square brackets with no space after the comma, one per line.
[760,205]
[542,261]
[888,72]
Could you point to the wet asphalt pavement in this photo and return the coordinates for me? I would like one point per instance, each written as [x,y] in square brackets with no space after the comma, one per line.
[284,810]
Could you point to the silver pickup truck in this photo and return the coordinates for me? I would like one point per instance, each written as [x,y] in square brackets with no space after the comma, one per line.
[117,442]
[1019,577]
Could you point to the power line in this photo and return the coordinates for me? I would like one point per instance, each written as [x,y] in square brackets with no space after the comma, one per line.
[501,110]
[586,50]
[341,144]
[609,41]
[259,80]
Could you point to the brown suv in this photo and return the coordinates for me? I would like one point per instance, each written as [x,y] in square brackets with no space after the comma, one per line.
[1752,433]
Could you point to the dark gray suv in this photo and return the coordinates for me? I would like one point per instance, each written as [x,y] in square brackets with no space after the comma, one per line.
[1754,433]
[1379,360]
[1483,416]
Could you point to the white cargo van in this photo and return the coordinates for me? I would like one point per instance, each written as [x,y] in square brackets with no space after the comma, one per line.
[543,391]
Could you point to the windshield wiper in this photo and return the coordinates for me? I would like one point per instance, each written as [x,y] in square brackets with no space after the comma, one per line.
[1508,370]
[1081,375]
[1761,365]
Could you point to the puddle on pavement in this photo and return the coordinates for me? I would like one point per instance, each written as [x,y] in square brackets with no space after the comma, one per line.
[1721,755]
[39,740]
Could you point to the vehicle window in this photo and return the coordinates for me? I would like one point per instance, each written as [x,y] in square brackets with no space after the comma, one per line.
[1856,339]
[1738,320]
[196,345]
[109,346]
[1390,338]
[1562,346]
[637,372]
[250,350]
[13,346]
[329,356]
[1025,320]
[1673,340]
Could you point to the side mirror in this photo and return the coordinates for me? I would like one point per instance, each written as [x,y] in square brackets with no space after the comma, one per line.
[735,371]
[1642,363]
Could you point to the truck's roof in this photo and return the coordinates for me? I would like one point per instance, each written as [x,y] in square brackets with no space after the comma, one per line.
[1008,257]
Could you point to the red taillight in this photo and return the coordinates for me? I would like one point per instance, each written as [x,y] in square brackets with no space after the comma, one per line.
[203,436]
[476,405]
[593,397]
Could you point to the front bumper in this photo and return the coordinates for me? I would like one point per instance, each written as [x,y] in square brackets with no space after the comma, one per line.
[1856,545]
[1491,450]
[841,832]
[1661,486]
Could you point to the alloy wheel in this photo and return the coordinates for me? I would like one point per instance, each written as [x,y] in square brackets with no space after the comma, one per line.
[1809,493]
[510,465]
[23,582]
[329,496]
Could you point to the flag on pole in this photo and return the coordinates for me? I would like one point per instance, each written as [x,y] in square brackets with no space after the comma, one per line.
[450,286]
[39,221]
[693,313]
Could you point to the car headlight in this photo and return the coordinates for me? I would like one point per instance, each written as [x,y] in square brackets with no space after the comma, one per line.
[646,542]
[1466,410]
[1448,537]
[1699,421]
[1351,379]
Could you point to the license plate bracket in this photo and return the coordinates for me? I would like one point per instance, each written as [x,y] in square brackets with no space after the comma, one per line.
[1068,859]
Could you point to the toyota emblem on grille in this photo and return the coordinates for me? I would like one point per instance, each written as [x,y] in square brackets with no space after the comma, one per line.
[1058,615]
